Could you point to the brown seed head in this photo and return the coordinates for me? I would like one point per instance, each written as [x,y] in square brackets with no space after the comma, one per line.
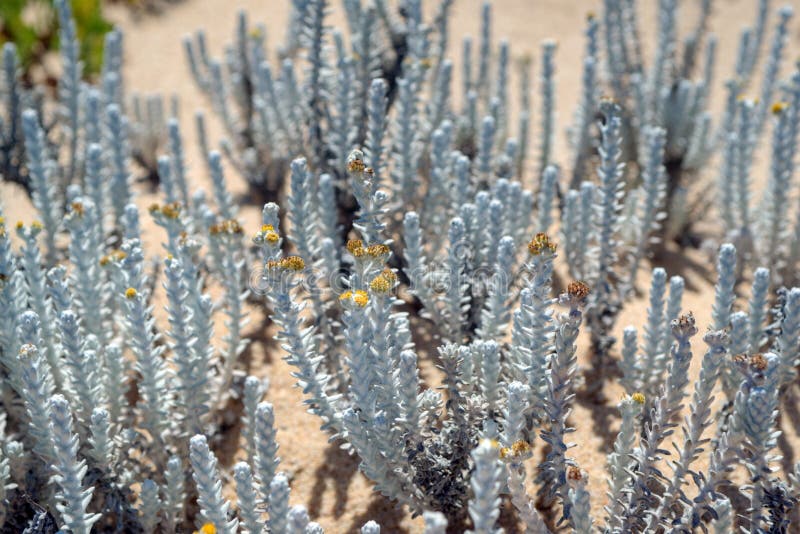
[378,250]
[356,165]
[171,211]
[578,290]
[574,473]
[758,362]
[520,447]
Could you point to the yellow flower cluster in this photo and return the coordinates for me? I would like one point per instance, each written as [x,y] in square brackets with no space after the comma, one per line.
[540,243]
[384,282]
[207,528]
[228,226]
[289,263]
[269,233]
[358,250]
[779,107]
[359,297]
[518,451]
[113,256]
[638,397]
[170,211]
[131,293]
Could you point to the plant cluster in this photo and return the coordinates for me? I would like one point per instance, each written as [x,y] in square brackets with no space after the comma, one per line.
[33,27]
[111,419]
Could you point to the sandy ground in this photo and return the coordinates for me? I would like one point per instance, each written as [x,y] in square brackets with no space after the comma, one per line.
[323,477]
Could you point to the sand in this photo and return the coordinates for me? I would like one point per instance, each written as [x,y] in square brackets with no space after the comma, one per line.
[323,477]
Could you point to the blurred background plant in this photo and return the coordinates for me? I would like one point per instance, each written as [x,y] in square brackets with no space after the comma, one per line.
[33,26]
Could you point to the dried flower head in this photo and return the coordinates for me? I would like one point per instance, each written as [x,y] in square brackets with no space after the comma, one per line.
[355,162]
[378,250]
[541,243]
[684,325]
[578,290]
[740,358]
[77,208]
[20,225]
[131,293]
[226,227]
[758,362]
[574,474]
[171,211]
[28,351]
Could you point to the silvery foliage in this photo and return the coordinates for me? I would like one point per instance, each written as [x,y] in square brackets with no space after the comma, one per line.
[359,369]
[435,208]
[78,337]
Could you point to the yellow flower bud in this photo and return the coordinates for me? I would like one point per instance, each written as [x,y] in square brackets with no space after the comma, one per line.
[779,107]
[361,298]
[271,236]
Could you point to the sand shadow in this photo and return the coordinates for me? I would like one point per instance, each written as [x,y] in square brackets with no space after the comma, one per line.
[339,467]
[677,263]
[602,414]
[384,512]
[788,414]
